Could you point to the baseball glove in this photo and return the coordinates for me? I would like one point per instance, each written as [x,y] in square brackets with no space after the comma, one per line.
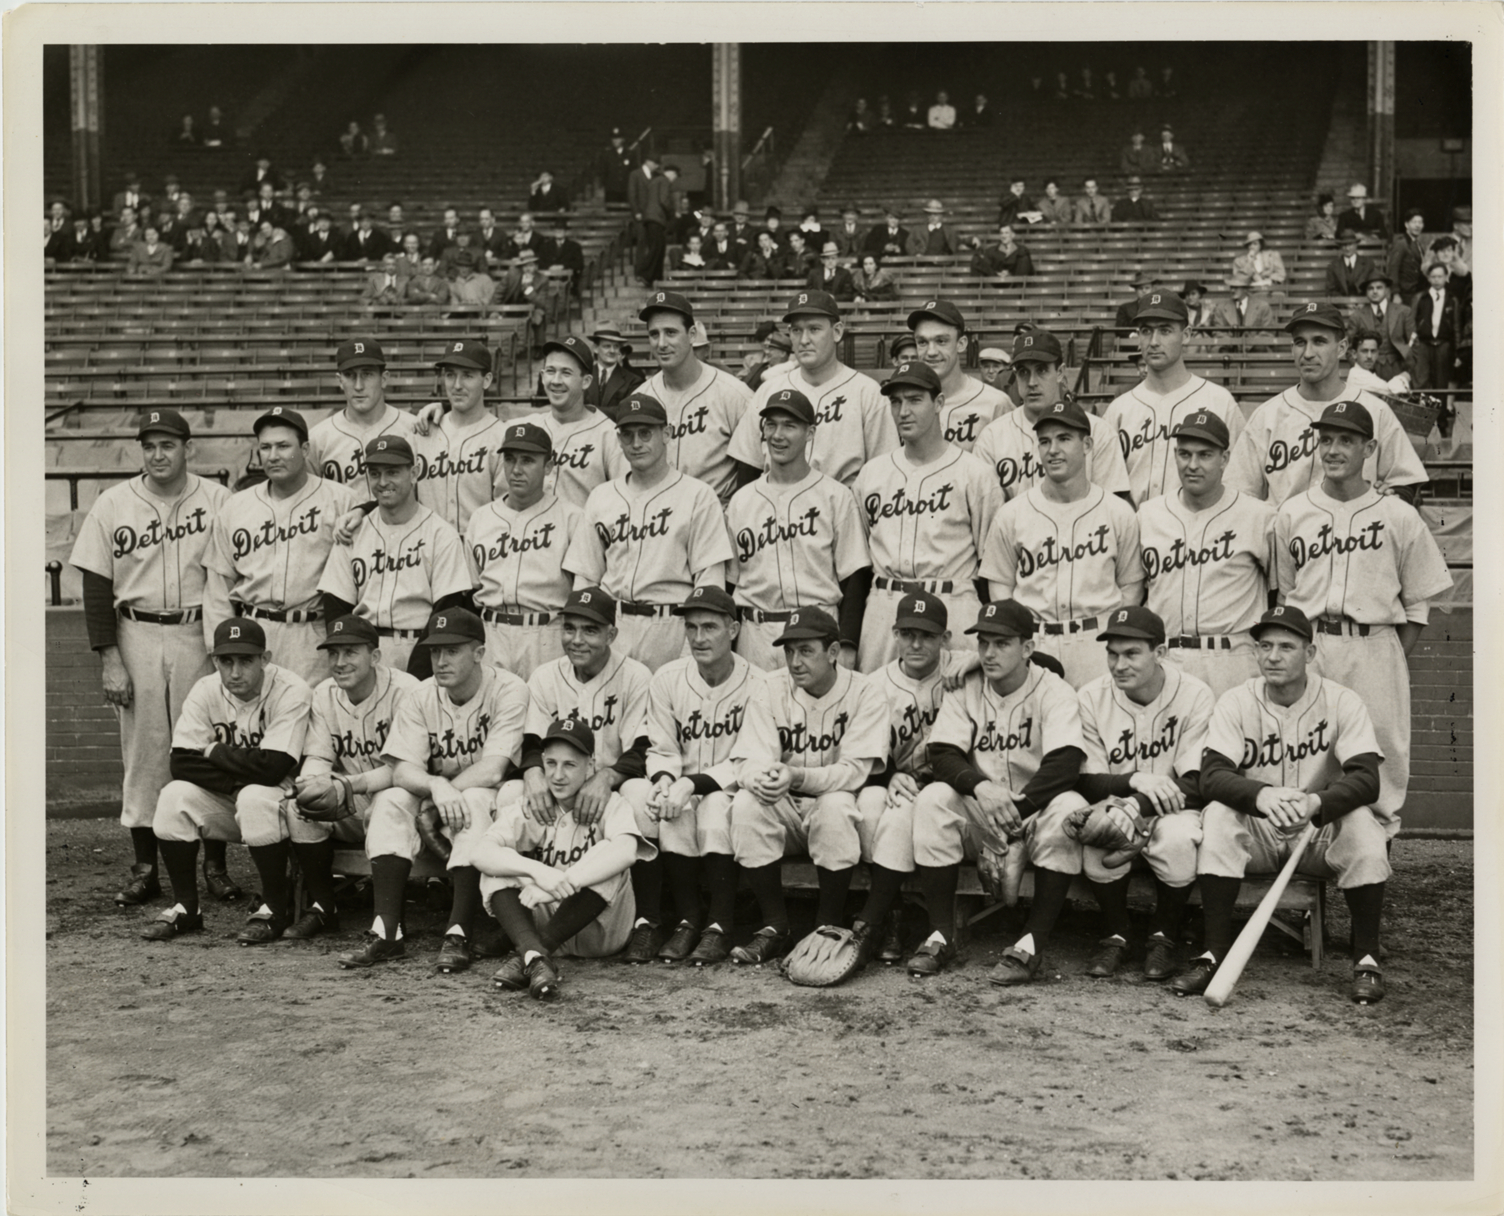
[823,959]
[324,807]
[1113,825]
[428,831]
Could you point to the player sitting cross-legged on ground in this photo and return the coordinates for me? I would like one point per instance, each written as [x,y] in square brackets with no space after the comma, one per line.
[558,883]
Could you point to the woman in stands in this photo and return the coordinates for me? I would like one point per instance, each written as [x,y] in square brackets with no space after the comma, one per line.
[1323,225]
[873,283]
[1257,268]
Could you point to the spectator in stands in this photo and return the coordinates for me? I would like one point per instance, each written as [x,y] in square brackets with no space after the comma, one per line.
[323,244]
[1092,207]
[427,286]
[996,366]
[100,233]
[861,119]
[1016,207]
[980,114]
[1446,251]
[545,195]
[772,221]
[1062,87]
[1360,217]
[936,238]
[241,247]
[318,177]
[266,206]
[1246,310]
[367,243]
[615,377]
[472,291]
[1256,267]
[86,245]
[1086,90]
[1405,256]
[490,242]
[150,257]
[942,115]
[742,232]
[1363,373]
[263,172]
[1007,260]
[1167,86]
[650,195]
[463,244]
[614,167]
[689,256]
[59,221]
[1323,225]
[809,224]
[199,248]
[888,239]
[383,142]
[527,238]
[396,226]
[903,349]
[873,284]
[59,230]
[170,192]
[1348,271]
[1199,310]
[764,262]
[1054,207]
[221,204]
[1138,157]
[1462,235]
[185,136]
[830,276]
[1140,88]
[1110,86]
[1135,209]
[722,252]
[565,253]
[447,235]
[132,196]
[1437,316]
[353,144]
[1142,283]
[914,117]
[127,234]
[849,237]
[386,286]
[169,231]
[682,221]
[1172,157]
[776,353]
[799,259]
[277,252]
[886,120]
[215,133]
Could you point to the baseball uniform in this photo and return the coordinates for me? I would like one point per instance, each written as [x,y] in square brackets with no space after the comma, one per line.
[587,453]
[1070,564]
[337,446]
[152,551]
[701,422]
[458,466]
[926,526]
[649,548]
[1144,420]
[1275,458]
[1008,444]
[1357,569]
[517,557]
[966,415]
[792,545]
[1207,577]
[855,424]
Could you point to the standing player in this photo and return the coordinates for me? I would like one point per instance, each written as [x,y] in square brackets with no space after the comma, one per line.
[1283,750]
[1006,749]
[809,742]
[704,404]
[270,543]
[1144,725]
[1361,565]
[337,445]
[1145,416]
[925,508]
[1067,549]
[459,457]
[1275,458]
[140,551]
[1009,443]
[404,561]
[234,751]
[796,538]
[1208,557]
[649,538]
[585,450]
[855,425]
[940,336]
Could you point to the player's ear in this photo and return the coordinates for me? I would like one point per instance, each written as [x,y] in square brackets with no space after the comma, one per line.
[1028,648]
[1160,652]
[610,634]
[587,380]
[1370,446]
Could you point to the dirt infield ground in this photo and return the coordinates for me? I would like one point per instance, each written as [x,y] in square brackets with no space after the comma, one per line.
[199,1058]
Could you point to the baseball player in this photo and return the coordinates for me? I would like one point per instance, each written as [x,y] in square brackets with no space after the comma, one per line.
[1067,549]
[1208,557]
[585,450]
[342,766]
[695,710]
[1282,750]
[234,750]
[855,424]
[808,743]
[459,456]
[270,543]
[925,508]
[1144,726]
[796,540]
[516,547]
[1275,458]
[337,445]
[1009,443]
[970,404]
[405,560]
[649,538]
[1005,750]
[558,884]
[704,404]
[453,741]
[1361,565]
[140,551]
[1145,416]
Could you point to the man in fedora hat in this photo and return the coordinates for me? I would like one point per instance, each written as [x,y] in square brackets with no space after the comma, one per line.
[615,377]
[1348,271]
[1384,314]
[1017,207]
[1005,260]
[1172,156]
[1143,282]
[1135,209]
[888,239]
[1360,216]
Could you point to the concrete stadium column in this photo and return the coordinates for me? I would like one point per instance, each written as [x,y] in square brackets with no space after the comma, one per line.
[726,86]
[86,76]
[1381,121]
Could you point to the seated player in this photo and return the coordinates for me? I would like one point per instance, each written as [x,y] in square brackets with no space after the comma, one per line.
[234,750]
[556,883]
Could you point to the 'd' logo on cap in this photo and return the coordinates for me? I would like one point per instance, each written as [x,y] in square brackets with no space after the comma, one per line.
[519,432]
[1154,299]
[360,348]
[459,346]
[442,623]
[919,607]
[1200,419]
[234,631]
[803,299]
[1028,341]
[585,597]
[785,395]
[659,298]
[1059,408]
[339,626]
[1122,616]
[1341,408]
[1280,611]
[794,620]
[991,611]
[156,417]
[276,409]
[381,445]
[929,303]
[1311,307]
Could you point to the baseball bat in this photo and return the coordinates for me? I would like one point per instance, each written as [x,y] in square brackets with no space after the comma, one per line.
[1231,970]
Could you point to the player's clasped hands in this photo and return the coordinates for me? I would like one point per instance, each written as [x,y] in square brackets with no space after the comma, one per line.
[450,804]
[1287,808]
[903,788]
[996,803]
[547,885]
[771,784]
[1159,789]
[671,796]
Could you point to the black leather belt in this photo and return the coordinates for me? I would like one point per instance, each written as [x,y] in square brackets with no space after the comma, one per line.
[645,609]
[1081,626]
[383,631]
[908,585]
[182,617]
[1339,626]
[514,618]
[1190,643]
[281,615]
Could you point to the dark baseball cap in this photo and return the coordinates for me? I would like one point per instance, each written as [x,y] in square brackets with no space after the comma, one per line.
[1005,619]
[578,348]
[1134,621]
[904,339]
[389,449]
[280,415]
[667,301]
[168,422]
[639,407]
[923,611]
[1067,413]
[1346,416]
[573,732]
[813,304]
[359,352]
[938,310]
[453,626]
[1162,306]
[1203,425]
[350,630]
[912,375]
[591,603]
[1315,313]
[781,340]
[708,599]
[792,402]
[1037,346]
[238,635]
[809,624]
[466,353]
[1285,616]
[526,437]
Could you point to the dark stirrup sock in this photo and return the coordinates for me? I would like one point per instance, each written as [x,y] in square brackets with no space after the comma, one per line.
[834,886]
[1050,889]
[1169,908]
[767,884]
[575,913]
[647,889]
[720,876]
[1366,904]
[1112,899]
[882,895]
[683,874]
[938,886]
[1219,895]
[271,867]
[144,843]
[389,891]
[181,859]
[466,904]
[516,921]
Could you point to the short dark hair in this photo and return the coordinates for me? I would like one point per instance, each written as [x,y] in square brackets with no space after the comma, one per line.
[1445,242]
[1412,213]
[1323,199]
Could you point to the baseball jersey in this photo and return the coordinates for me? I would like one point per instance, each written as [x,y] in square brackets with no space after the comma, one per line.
[517,557]
[965,415]
[394,573]
[152,549]
[274,720]
[854,423]
[351,738]
[692,727]
[1362,378]
[458,466]
[649,545]
[564,841]
[792,544]
[446,739]
[845,730]
[1065,560]
[613,703]
[1143,420]
[1008,444]
[1372,559]
[587,453]
[337,446]
[701,421]
[926,521]
[1165,737]
[1207,572]
[1006,737]
[1302,746]
[1275,457]
[913,706]
[272,551]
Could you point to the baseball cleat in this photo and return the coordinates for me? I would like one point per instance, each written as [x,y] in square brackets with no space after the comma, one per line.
[454,954]
[261,927]
[1159,958]
[173,923]
[1194,981]
[1368,985]
[220,885]
[933,957]
[512,974]
[767,944]
[1017,967]
[542,979]
[311,924]
[376,949]
[864,938]
[1109,955]
[142,887]
[714,947]
[680,944]
[891,950]
[643,945]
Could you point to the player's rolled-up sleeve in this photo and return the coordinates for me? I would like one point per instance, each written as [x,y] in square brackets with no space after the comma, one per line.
[709,541]
[288,724]
[1000,556]
[194,729]
[92,550]
[338,578]
[664,757]
[746,440]
[509,708]
[408,737]
[450,572]
[850,534]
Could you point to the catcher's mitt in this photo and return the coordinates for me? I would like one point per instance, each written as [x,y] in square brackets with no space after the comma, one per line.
[824,958]
[324,807]
[1001,871]
[428,831]
[1113,825]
